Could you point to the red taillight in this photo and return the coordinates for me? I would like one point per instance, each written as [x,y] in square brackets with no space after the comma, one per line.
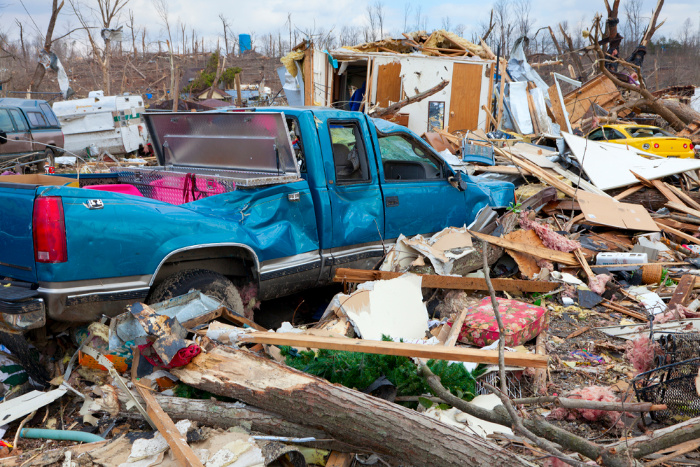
[49,230]
[685,146]
[656,145]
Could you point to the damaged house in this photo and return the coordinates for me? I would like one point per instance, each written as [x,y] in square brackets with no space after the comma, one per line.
[377,75]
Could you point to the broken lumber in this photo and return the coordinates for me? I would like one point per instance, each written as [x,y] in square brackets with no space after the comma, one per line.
[683,208]
[683,196]
[437,352]
[417,98]
[345,413]
[678,233]
[552,255]
[683,290]
[624,310]
[178,444]
[434,281]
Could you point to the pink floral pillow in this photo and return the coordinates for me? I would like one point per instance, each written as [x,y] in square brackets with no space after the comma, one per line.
[521,321]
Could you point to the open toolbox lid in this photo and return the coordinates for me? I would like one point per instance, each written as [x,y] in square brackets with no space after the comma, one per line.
[256,142]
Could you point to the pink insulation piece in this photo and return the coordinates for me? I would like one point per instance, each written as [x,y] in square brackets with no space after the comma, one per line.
[590,393]
[597,283]
[674,313]
[549,237]
[640,353]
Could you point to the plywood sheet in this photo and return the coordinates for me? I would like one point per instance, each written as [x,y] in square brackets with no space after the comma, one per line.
[526,263]
[607,211]
[388,84]
[465,97]
[600,90]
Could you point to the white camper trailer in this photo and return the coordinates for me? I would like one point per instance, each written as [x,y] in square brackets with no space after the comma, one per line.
[111,123]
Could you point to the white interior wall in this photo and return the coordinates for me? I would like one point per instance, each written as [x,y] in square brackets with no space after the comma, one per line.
[422,73]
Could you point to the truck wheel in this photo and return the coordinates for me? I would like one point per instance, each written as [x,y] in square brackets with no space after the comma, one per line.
[50,157]
[28,357]
[208,282]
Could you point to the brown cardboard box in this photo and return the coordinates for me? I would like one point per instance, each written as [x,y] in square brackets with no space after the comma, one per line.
[39,179]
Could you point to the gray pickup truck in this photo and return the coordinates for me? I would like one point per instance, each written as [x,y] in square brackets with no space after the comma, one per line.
[30,134]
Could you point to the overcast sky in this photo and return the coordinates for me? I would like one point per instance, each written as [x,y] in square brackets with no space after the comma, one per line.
[269,16]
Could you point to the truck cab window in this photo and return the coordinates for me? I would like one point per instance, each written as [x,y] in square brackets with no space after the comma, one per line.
[349,155]
[297,144]
[36,119]
[49,115]
[20,122]
[404,158]
[6,122]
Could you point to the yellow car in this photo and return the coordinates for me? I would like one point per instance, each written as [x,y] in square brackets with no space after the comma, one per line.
[645,137]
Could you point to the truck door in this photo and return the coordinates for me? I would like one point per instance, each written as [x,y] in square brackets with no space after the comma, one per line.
[353,188]
[18,139]
[418,198]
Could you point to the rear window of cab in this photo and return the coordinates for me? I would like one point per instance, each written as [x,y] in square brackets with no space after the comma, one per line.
[36,119]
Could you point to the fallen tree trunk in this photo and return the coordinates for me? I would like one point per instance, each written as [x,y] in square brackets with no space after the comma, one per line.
[228,414]
[684,112]
[355,417]
[392,109]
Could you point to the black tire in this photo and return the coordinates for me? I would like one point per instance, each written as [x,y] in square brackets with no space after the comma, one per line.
[27,356]
[208,282]
[50,157]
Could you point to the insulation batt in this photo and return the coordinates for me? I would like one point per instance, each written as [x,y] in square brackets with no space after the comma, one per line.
[640,353]
[549,237]
[590,393]
[597,283]
[674,313]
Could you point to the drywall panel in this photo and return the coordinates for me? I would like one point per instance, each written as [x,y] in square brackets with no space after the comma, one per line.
[611,165]
[465,96]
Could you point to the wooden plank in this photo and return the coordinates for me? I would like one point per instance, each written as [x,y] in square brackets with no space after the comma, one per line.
[678,233]
[629,191]
[388,84]
[438,352]
[624,310]
[683,290]
[434,281]
[584,264]
[205,318]
[502,71]
[465,97]
[240,320]
[552,255]
[308,75]
[456,329]
[683,208]
[680,449]
[178,444]
[556,107]
[684,197]
[340,459]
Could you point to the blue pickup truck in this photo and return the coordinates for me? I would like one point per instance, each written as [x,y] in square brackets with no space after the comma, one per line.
[270,201]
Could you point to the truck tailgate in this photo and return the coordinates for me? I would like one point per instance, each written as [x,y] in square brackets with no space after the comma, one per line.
[16,242]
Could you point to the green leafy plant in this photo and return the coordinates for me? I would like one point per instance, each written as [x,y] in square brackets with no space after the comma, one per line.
[665,280]
[515,207]
[359,370]
[206,77]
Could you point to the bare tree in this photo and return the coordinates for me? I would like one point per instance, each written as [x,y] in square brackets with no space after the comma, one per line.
[633,22]
[446,23]
[371,29]
[106,12]
[161,7]
[522,12]
[459,29]
[134,31]
[183,29]
[40,70]
[379,13]
[503,24]
[227,28]
[406,13]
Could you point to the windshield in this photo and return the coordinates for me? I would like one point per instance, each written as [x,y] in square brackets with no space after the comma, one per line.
[643,132]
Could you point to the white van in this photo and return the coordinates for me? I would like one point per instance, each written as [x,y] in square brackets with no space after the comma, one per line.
[112,123]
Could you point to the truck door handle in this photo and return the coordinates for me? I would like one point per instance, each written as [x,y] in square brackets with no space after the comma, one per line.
[392,201]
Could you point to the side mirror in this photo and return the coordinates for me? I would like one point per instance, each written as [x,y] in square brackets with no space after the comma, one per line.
[458,182]
[3,137]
